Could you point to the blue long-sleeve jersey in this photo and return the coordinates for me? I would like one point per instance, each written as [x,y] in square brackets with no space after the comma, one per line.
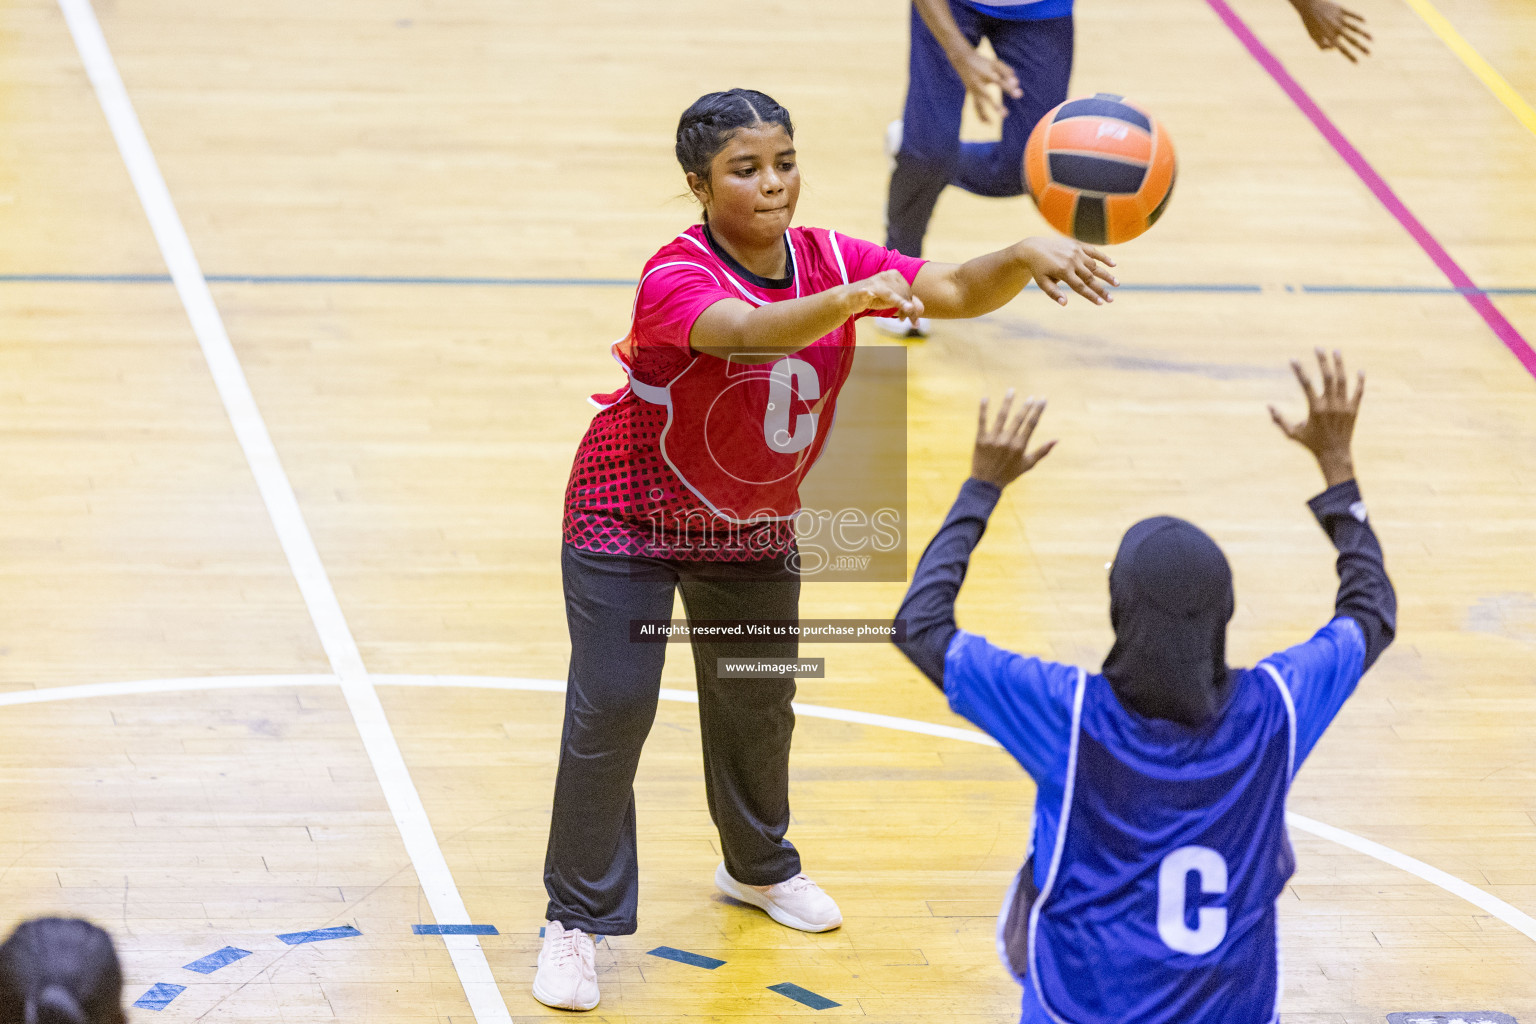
[1158,850]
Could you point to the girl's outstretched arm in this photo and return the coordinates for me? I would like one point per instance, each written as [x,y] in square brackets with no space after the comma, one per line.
[764,333]
[955,291]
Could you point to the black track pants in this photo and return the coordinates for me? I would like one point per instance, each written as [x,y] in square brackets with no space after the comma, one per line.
[590,869]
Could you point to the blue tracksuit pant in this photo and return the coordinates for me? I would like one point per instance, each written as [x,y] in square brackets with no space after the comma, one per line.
[932,155]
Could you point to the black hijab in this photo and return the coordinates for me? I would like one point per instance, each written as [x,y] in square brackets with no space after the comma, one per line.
[1170,598]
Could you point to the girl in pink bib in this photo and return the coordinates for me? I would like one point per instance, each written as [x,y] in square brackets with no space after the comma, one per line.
[741,339]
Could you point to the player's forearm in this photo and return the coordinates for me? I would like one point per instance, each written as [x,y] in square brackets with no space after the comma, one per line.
[771,331]
[941,22]
[928,610]
[1365,591]
[976,286]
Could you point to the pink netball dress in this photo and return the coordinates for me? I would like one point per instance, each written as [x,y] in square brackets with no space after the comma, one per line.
[700,446]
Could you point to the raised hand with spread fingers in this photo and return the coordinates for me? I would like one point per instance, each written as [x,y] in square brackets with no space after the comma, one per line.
[1330,424]
[1002,452]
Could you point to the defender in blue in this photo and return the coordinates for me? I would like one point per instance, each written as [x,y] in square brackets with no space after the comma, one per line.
[1159,846]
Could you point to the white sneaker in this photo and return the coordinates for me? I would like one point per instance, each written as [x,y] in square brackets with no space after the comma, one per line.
[898,327]
[797,903]
[567,977]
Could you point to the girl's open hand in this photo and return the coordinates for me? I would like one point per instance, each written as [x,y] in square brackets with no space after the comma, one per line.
[1057,261]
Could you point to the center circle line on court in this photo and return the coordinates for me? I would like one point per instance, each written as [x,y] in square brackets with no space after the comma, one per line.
[1487,902]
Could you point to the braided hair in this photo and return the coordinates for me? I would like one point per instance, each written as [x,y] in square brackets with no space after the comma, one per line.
[709,123]
[60,971]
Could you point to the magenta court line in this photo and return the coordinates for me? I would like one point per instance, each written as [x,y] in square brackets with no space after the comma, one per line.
[1450,268]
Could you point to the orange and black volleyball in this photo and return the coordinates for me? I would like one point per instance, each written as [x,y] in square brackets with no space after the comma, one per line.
[1100,169]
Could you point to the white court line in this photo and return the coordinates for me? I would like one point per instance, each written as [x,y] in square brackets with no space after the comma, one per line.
[1515,918]
[399,791]
[47,694]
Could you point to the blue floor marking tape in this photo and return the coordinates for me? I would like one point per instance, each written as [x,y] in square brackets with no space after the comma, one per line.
[1408,289]
[682,956]
[159,996]
[1199,288]
[346,931]
[595,939]
[803,995]
[221,958]
[162,993]
[1252,289]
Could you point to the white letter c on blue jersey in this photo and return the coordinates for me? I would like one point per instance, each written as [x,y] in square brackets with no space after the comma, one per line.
[1171,928]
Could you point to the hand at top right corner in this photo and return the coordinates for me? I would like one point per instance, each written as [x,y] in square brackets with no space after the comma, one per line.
[1334,28]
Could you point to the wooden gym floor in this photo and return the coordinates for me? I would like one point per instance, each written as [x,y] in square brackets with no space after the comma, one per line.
[376,191]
